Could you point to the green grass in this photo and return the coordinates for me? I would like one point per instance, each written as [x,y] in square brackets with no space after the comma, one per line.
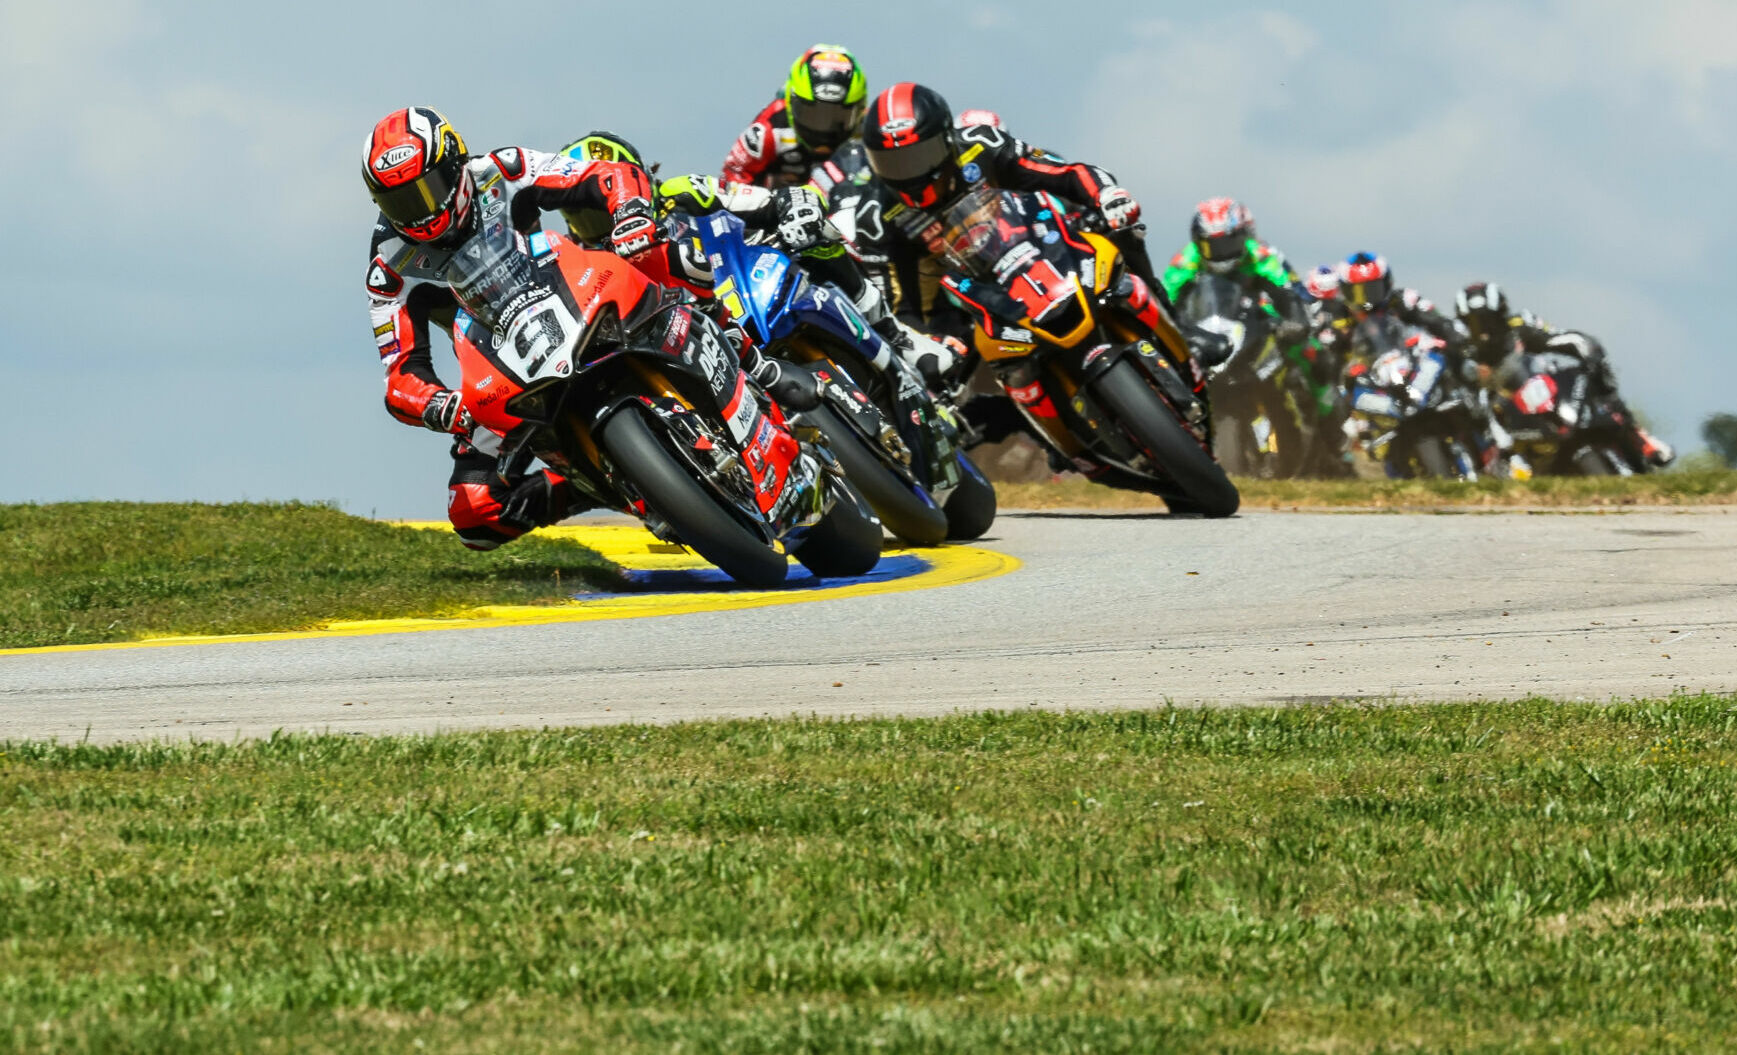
[1701,487]
[76,573]
[1471,878]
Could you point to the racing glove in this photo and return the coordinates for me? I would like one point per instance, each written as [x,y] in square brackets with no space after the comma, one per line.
[1120,209]
[802,222]
[635,228]
[445,413]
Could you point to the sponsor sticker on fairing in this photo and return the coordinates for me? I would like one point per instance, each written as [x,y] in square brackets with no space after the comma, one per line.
[741,412]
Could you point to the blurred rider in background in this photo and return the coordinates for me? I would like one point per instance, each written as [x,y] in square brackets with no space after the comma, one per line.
[1223,242]
[817,111]
[1502,337]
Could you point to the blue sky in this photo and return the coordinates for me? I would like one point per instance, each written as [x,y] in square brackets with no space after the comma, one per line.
[187,231]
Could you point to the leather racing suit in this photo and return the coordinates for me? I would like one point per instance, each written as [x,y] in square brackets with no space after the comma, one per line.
[768,152]
[488,503]
[987,156]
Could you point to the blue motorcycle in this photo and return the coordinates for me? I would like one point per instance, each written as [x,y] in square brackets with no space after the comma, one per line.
[896,443]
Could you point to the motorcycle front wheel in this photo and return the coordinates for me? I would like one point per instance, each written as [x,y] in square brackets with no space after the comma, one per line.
[906,509]
[971,506]
[1151,423]
[847,541]
[1590,462]
[697,516]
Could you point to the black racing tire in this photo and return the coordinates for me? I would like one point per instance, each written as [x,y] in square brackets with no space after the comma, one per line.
[971,507]
[911,515]
[847,541]
[1432,459]
[698,517]
[1590,462]
[1151,422]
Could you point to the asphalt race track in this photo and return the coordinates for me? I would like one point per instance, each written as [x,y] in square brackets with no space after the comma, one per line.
[1108,610]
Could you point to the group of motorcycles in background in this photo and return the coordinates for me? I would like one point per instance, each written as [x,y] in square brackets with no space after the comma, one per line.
[635,397]
[1402,397]
[1414,409]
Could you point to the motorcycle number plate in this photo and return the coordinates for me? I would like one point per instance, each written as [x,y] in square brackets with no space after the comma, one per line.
[539,341]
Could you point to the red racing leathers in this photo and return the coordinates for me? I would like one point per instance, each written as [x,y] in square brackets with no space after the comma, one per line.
[406,292]
[768,154]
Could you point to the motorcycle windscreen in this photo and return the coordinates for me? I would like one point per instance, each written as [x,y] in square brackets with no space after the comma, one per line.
[981,229]
[1216,303]
[531,331]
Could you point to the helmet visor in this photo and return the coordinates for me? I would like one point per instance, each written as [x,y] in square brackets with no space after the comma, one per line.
[1366,294]
[824,124]
[416,203]
[910,165]
[1221,248]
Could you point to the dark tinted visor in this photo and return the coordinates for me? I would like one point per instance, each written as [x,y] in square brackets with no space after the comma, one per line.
[1222,247]
[916,163]
[415,203]
[1484,324]
[824,124]
[1367,293]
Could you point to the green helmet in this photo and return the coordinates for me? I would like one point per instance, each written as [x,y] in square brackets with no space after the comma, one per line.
[825,97]
[592,225]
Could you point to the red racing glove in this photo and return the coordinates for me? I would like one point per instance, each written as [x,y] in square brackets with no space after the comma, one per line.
[1119,208]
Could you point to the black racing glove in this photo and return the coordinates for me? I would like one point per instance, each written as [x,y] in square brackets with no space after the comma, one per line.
[802,222]
[445,413]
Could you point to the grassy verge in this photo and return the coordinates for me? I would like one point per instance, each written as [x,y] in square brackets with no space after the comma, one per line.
[1660,489]
[1471,878]
[76,573]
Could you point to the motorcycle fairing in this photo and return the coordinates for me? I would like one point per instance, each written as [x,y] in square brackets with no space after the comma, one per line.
[764,290]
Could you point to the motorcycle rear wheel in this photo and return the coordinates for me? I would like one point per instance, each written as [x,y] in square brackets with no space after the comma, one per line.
[847,541]
[910,514]
[1151,422]
[971,507]
[698,517]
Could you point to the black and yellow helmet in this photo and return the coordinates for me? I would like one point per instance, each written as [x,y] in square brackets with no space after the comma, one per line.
[825,96]
[592,225]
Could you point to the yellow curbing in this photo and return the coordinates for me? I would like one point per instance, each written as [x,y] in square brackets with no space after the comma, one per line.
[630,547]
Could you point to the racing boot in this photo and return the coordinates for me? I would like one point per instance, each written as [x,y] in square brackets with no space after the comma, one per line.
[1657,452]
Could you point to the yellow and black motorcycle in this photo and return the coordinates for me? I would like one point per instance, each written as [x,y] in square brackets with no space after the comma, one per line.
[1078,343]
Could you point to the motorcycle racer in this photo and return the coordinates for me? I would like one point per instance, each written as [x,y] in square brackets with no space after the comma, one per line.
[1223,241]
[923,164]
[432,195]
[1366,287]
[794,216]
[1501,338]
[815,114]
